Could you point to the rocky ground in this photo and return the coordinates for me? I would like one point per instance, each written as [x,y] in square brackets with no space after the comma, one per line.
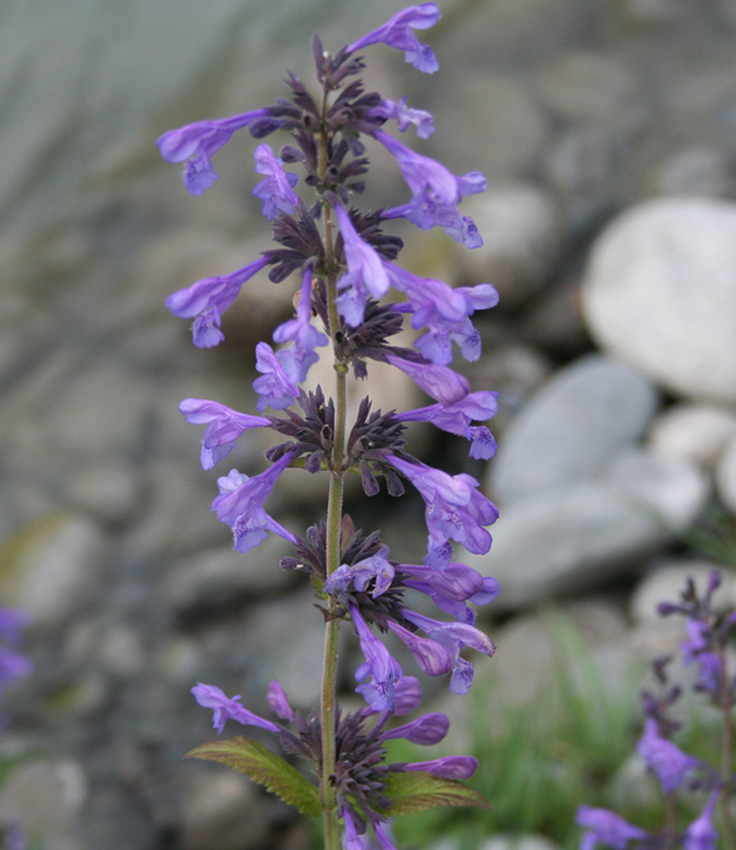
[607,129]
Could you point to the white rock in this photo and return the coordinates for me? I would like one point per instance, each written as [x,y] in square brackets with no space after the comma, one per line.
[521,239]
[672,491]
[726,476]
[696,432]
[568,539]
[567,431]
[660,292]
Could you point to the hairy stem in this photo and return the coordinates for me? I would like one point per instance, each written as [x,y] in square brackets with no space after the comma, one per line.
[726,752]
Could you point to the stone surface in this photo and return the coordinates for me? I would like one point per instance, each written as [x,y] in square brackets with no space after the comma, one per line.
[660,292]
[726,476]
[697,432]
[521,240]
[567,431]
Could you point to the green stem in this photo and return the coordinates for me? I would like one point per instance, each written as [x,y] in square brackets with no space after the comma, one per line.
[726,753]
[333,553]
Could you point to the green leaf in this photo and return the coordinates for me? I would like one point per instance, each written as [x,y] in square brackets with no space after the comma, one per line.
[414,791]
[264,767]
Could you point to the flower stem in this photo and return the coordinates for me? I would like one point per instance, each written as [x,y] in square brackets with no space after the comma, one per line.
[726,752]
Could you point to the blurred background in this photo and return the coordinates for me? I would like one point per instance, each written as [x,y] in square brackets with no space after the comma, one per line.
[607,131]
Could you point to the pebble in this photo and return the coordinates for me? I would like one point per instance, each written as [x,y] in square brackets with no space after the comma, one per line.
[571,427]
[693,431]
[726,476]
[696,170]
[660,292]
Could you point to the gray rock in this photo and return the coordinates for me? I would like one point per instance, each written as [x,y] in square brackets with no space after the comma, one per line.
[107,490]
[696,432]
[695,171]
[726,476]
[660,292]
[53,567]
[521,240]
[567,431]
[569,539]
[520,841]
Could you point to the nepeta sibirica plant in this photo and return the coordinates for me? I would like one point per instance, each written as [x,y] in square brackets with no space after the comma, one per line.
[679,774]
[344,266]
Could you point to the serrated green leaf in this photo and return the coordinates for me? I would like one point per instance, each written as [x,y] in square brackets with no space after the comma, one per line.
[264,767]
[414,791]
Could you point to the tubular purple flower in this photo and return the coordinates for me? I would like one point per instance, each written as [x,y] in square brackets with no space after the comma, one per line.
[439,382]
[351,839]
[278,701]
[274,386]
[407,696]
[666,760]
[455,509]
[451,587]
[397,32]
[606,827]
[224,428]
[456,419]
[431,657]
[366,273]
[406,116]
[240,505]
[277,189]
[297,359]
[449,767]
[382,836]
[384,670]
[206,301]
[701,834]
[453,637]
[427,730]
[360,574]
[198,142]
[224,708]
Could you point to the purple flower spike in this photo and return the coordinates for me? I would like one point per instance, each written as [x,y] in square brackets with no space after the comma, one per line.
[206,301]
[223,429]
[366,274]
[439,382]
[198,142]
[278,701]
[297,359]
[240,505]
[228,708]
[449,767]
[397,32]
[607,828]
[701,834]
[274,386]
[665,759]
[384,670]
[277,189]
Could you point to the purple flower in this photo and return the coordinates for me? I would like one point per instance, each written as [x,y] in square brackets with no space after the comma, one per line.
[274,386]
[606,827]
[453,637]
[360,574]
[455,510]
[276,190]
[297,359]
[228,708]
[240,505]
[278,701]
[427,730]
[456,419]
[224,428]
[206,301]
[665,759]
[436,191]
[449,767]
[452,587]
[384,670]
[701,834]
[397,32]
[366,273]
[439,382]
[431,656]
[406,116]
[13,665]
[198,142]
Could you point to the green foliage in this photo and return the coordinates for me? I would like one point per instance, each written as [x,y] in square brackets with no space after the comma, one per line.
[415,792]
[264,767]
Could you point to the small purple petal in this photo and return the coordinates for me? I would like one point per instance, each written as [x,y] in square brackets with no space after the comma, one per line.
[449,767]
[224,708]
[397,32]
[427,730]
